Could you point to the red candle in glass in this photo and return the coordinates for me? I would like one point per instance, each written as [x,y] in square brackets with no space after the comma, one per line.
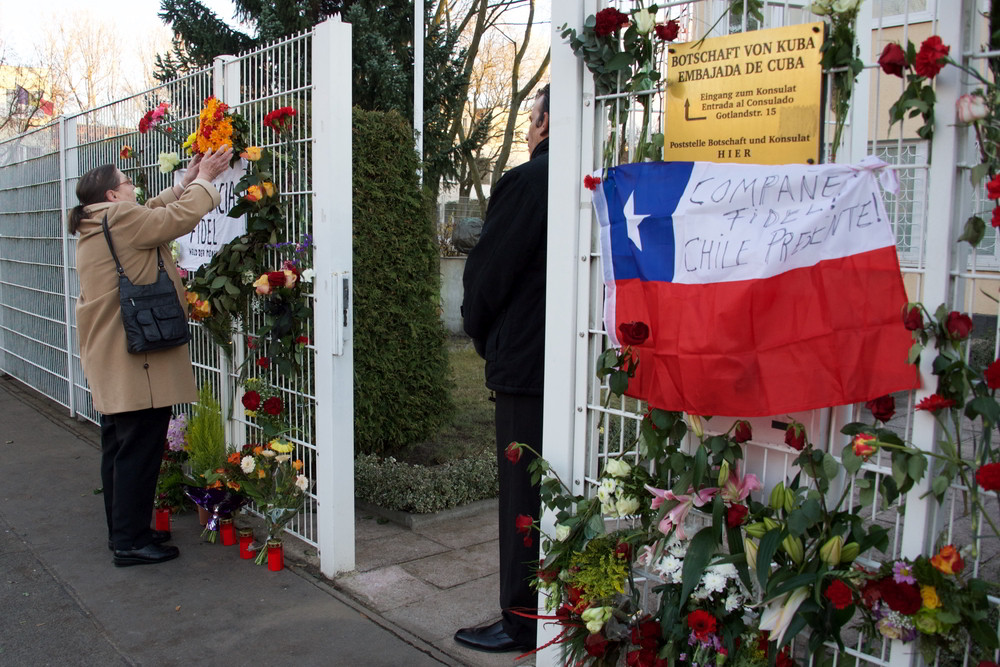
[227,532]
[246,538]
[163,519]
[275,556]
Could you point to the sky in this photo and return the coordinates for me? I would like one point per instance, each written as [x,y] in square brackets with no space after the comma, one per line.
[22,22]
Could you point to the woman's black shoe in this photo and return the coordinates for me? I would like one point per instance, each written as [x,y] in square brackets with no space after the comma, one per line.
[148,555]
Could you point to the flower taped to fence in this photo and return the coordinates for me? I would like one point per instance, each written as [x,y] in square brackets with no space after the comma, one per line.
[735,576]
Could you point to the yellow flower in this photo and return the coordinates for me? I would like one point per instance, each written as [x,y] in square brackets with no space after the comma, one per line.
[261,473]
[201,310]
[297,464]
[262,285]
[282,447]
[254,193]
[930,597]
[191,297]
[252,153]
[268,188]
[250,413]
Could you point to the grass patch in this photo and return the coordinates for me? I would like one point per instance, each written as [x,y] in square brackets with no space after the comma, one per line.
[470,433]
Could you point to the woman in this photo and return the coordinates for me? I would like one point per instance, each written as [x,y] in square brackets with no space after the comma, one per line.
[134,392]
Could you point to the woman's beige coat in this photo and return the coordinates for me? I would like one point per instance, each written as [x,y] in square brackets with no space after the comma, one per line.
[119,381]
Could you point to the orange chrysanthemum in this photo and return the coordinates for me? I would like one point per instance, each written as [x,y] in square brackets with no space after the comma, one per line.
[215,128]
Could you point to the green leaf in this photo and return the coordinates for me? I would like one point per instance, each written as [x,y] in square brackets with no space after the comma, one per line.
[975,229]
[219,282]
[765,554]
[618,382]
[940,485]
[620,61]
[916,467]
[699,554]
[977,173]
[852,463]
[830,466]
[985,407]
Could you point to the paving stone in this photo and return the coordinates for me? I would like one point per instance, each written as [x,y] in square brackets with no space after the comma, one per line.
[463,532]
[385,588]
[400,548]
[369,527]
[437,616]
[454,568]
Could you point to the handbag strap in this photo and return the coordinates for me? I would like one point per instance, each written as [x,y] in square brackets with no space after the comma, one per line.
[111,246]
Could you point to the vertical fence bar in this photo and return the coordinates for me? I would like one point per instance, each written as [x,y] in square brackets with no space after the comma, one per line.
[333,315]
[67,301]
[566,276]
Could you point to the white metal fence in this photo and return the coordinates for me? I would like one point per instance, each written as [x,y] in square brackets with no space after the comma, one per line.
[39,284]
[580,432]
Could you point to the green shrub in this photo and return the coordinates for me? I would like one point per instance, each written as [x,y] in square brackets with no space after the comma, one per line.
[399,486]
[400,363]
[206,435]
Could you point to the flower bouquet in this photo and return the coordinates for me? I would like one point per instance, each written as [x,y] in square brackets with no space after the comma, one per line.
[170,482]
[927,600]
[218,126]
[263,404]
[269,476]
[158,120]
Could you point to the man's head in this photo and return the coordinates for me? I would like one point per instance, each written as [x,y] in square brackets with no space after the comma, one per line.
[538,127]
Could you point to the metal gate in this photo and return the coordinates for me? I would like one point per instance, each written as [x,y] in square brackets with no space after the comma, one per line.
[39,284]
[580,433]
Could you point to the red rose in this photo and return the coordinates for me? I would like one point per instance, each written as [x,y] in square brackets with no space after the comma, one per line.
[993,188]
[742,432]
[702,623]
[928,62]
[882,408]
[668,31]
[904,598]
[302,340]
[795,436]
[735,515]
[933,403]
[958,325]
[276,278]
[513,452]
[992,375]
[609,21]
[633,333]
[523,524]
[913,318]
[839,594]
[264,362]
[624,550]
[644,657]
[251,400]
[548,576]
[893,59]
[646,634]
[591,182]
[273,406]
[596,644]
[784,659]
[988,476]
[995,220]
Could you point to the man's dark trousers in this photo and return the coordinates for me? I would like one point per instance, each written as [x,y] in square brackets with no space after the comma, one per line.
[518,419]
[131,450]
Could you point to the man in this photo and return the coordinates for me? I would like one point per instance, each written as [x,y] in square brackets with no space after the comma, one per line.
[504,311]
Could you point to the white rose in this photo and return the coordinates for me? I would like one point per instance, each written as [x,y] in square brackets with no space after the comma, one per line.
[844,6]
[820,7]
[307,276]
[971,108]
[302,482]
[606,490]
[608,508]
[644,21]
[282,458]
[595,618]
[169,162]
[617,468]
[627,506]
[247,464]
[562,532]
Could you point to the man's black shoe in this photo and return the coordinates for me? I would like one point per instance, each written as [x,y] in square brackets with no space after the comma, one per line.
[159,537]
[489,638]
[148,555]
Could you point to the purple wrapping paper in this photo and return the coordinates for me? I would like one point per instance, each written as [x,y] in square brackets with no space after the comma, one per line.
[217,501]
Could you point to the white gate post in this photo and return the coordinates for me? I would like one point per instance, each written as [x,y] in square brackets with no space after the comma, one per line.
[333,312]
[567,269]
[67,301]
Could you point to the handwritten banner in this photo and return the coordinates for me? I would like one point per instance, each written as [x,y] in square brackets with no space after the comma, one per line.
[215,229]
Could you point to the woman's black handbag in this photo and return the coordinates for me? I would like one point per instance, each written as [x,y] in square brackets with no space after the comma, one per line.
[152,314]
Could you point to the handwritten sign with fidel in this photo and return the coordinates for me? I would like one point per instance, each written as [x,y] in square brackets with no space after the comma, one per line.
[753,97]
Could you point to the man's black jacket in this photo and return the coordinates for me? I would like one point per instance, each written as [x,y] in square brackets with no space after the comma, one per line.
[504,280]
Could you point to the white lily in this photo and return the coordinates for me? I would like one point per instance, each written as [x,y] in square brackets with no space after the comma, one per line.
[779,613]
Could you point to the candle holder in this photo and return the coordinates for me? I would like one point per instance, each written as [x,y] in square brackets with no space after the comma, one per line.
[228,532]
[246,542]
[162,519]
[275,555]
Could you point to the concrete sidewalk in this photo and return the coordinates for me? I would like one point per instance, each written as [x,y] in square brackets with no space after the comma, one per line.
[64,603]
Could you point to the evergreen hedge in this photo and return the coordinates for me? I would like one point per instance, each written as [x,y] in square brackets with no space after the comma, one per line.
[401,393]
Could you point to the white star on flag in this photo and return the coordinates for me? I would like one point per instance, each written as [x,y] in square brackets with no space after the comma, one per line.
[633,221]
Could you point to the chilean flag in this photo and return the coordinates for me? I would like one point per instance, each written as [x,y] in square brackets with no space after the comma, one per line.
[767,289]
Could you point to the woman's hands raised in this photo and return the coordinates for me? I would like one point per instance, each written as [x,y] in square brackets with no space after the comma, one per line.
[208,166]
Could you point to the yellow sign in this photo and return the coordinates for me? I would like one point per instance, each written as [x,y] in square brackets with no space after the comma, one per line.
[753,97]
